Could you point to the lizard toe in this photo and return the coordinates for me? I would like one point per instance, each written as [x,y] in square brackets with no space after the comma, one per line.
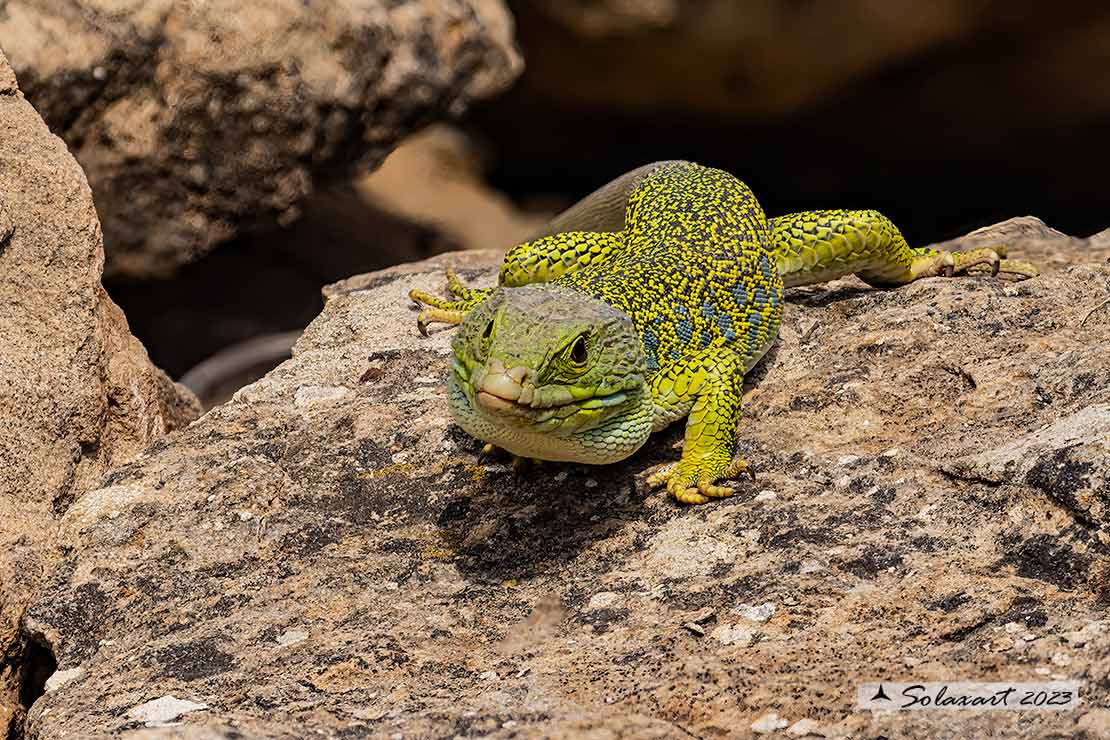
[1024,270]
[437,316]
[739,467]
[687,495]
[707,488]
[661,475]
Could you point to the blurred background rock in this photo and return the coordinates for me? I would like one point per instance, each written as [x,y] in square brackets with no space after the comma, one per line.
[230,145]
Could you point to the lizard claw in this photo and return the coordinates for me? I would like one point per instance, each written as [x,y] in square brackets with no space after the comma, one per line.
[695,483]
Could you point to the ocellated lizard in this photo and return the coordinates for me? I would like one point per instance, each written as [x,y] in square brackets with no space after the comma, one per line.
[646,303]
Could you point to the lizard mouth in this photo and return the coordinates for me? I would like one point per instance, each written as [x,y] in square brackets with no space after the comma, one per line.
[508,395]
[502,391]
[497,404]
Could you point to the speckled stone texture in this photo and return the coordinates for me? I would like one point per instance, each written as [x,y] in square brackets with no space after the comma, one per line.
[197,121]
[325,551]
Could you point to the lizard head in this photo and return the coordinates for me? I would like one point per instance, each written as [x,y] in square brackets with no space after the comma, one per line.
[548,372]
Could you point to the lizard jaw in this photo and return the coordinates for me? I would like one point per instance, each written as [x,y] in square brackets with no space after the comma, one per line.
[614,440]
[496,404]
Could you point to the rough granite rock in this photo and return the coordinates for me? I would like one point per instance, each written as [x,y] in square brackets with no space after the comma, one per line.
[198,121]
[77,391]
[326,552]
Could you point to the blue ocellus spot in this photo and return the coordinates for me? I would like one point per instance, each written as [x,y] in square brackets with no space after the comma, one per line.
[765,266]
[724,323]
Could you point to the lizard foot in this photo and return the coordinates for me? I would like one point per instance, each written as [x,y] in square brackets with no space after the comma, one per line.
[987,258]
[694,482]
[437,310]
[519,464]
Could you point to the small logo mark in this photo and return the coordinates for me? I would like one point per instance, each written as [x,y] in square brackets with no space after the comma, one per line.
[969,695]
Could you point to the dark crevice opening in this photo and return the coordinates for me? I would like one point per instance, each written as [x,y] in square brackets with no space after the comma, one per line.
[38,664]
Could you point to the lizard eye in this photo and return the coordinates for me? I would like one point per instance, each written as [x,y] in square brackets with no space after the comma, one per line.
[578,351]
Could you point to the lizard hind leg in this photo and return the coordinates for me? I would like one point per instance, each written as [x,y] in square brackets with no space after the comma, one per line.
[815,246]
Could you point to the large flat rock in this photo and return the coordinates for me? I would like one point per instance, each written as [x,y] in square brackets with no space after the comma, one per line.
[326,552]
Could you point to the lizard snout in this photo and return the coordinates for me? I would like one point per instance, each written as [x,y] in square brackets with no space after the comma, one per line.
[502,390]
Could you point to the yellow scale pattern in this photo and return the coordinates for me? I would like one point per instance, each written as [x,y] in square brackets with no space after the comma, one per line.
[700,272]
[697,276]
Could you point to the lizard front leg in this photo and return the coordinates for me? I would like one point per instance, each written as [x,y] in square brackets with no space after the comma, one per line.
[550,257]
[538,261]
[708,388]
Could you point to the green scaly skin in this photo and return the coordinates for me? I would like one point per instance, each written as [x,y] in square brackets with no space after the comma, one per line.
[594,339]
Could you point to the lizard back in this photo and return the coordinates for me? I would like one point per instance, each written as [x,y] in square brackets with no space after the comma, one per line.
[696,270]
